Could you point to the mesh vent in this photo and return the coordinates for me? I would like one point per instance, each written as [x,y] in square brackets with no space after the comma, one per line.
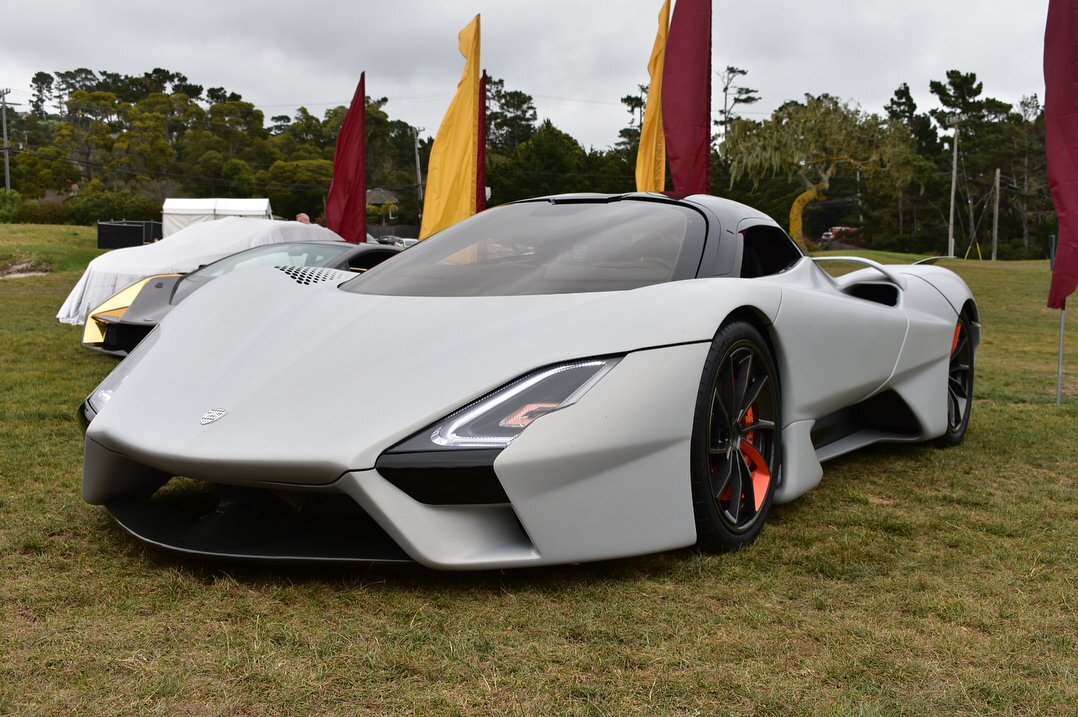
[307,275]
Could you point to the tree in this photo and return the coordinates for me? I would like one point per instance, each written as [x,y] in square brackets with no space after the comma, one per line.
[634,105]
[962,102]
[733,95]
[239,179]
[68,82]
[813,141]
[280,123]
[300,186]
[218,95]
[1028,190]
[980,123]
[510,119]
[607,171]
[902,108]
[42,86]
[238,123]
[143,151]
[548,163]
[36,171]
[94,121]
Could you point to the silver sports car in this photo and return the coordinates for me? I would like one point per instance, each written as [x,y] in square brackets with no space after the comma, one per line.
[565,379]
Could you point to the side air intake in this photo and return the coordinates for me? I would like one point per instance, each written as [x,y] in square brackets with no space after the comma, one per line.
[308,275]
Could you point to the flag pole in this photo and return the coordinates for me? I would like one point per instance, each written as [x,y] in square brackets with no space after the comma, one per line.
[1059,379]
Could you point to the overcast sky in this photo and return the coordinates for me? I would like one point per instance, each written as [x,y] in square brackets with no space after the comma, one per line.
[577,58]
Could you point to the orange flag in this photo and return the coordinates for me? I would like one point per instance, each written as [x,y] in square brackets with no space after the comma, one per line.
[651,157]
[451,176]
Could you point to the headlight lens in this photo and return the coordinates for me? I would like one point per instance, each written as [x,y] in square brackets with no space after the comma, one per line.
[103,393]
[498,418]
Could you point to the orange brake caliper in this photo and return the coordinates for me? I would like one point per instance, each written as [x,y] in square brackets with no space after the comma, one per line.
[761,475]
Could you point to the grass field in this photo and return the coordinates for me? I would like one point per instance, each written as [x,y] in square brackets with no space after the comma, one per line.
[913,581]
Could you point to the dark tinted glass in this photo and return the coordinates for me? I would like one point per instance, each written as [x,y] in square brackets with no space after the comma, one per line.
[273,255]
[548,248]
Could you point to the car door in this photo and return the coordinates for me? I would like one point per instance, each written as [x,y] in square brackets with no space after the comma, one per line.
[837,349]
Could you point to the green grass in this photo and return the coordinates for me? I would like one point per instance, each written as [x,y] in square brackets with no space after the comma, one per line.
[55,248]
[913,581]
[883,257]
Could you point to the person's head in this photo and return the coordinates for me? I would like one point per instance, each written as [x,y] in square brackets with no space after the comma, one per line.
[302,218]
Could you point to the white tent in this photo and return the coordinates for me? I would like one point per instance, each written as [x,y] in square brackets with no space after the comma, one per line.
[184,251]
[179,213]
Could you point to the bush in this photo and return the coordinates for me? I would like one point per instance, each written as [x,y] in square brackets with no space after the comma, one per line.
[87,209]
[923,241]
[93,207]
[1016,250]
[9,205]
[43,211]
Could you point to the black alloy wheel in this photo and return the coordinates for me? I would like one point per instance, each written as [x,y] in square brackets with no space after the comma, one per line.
[736,459]
[959,384]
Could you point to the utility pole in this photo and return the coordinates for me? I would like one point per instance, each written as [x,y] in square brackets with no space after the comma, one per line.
[995,219]
[7,150]
[418,171]
[954,186]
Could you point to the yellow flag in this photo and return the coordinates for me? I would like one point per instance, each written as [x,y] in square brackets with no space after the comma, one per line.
[651,157]
[451,176]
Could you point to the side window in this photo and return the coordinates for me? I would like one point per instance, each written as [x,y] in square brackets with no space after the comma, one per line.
[369,259]
[767,250]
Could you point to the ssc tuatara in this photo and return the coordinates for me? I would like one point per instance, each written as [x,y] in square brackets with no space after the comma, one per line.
[559,380]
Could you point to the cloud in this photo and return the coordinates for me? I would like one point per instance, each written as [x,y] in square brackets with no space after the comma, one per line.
[576,58]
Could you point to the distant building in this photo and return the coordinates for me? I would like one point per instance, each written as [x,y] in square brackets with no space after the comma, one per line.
[379,196]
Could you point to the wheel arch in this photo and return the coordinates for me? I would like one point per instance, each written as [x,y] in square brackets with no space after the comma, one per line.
[970,309]
[760,321]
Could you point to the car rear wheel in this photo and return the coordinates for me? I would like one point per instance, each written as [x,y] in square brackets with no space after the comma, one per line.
[736,452]
[959,385]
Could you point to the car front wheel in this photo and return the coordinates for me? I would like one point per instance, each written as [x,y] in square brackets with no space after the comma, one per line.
[736,452]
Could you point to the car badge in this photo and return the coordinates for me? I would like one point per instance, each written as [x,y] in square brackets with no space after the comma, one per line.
[212,415]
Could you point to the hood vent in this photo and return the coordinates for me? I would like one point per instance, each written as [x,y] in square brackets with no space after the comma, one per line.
[308,275]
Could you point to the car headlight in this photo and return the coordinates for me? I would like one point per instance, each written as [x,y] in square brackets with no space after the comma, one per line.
[496,419]
[105,390]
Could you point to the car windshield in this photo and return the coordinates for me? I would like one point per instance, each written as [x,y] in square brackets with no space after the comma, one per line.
[546,247]
[298,254]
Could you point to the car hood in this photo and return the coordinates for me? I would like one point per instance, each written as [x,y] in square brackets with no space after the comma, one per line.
[317,381]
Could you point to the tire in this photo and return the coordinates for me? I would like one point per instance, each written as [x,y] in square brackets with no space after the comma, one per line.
[959,385]
[736,439]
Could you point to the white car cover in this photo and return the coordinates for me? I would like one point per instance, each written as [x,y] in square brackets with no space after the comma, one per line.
[184,251]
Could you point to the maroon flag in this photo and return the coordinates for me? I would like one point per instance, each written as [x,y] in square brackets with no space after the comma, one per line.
[481,155]
[346,207]
[1061,142]
[687,97]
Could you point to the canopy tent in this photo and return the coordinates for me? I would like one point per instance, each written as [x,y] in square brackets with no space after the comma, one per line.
[179,213]
[184,251]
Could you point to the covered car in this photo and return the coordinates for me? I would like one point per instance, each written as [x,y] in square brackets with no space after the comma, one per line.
[182,252]
[576,378]
[121,321]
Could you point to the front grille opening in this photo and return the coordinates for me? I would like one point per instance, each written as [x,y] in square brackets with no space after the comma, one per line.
[461,477]
[196,517]
[124,337]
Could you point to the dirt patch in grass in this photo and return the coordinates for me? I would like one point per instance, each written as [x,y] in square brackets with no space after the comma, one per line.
[20,269]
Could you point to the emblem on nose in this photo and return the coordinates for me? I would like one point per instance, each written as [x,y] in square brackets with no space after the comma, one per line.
[212,415]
